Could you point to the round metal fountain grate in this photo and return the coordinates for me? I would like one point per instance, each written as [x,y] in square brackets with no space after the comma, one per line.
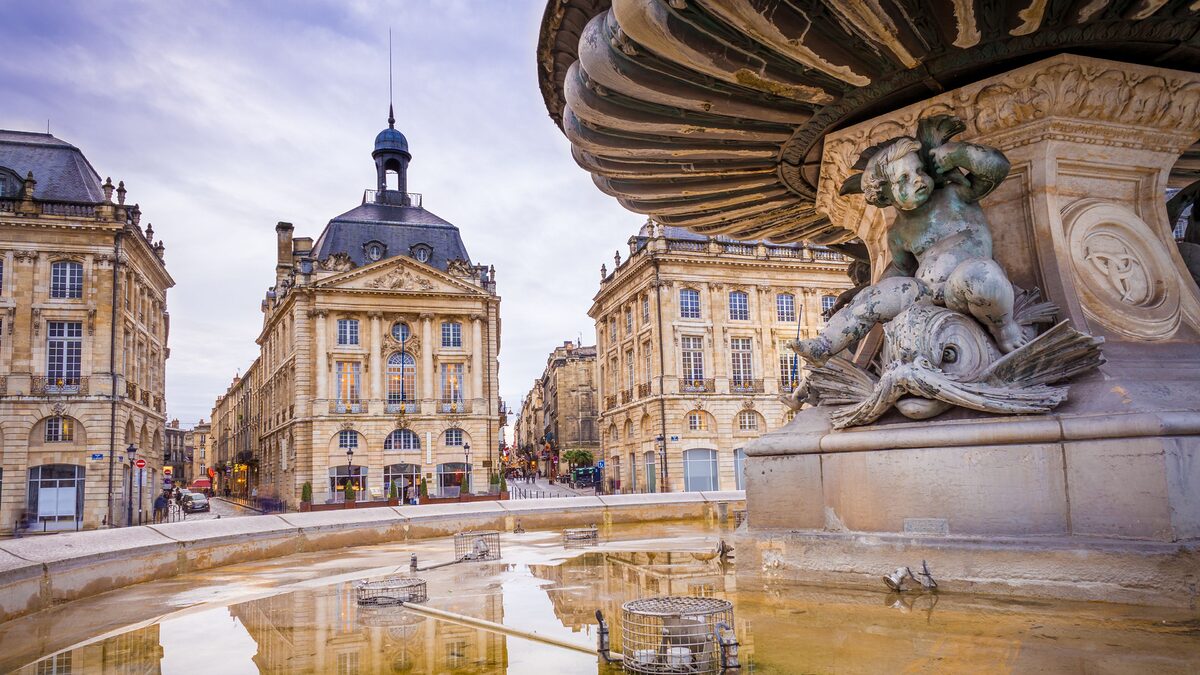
[391,591]
[673,634]
[478,545]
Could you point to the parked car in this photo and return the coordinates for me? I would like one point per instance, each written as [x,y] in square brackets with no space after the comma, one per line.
[195,502]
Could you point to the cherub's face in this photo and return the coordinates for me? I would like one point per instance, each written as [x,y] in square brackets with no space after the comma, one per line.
[908,183]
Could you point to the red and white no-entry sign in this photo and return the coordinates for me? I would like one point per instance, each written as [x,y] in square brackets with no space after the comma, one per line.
[141,463]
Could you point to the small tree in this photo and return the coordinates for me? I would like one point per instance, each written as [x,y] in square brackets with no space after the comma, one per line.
[394,491]
[350,491]
[578,457]
[306,492]
[503,485]
[423,489]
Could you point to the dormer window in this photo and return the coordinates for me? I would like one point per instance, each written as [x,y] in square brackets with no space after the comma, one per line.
[422,252]
[375,250]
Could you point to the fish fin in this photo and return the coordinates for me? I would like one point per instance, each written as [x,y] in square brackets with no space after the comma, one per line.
[1058,354]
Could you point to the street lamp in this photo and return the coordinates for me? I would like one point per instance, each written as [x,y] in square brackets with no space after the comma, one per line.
[131,455]
[662,460]
[467,467]
[349,471]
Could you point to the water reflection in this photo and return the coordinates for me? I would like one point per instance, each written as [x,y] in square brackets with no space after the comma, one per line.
[782,627]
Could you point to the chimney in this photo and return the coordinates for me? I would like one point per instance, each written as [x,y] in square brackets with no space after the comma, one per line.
[283,263]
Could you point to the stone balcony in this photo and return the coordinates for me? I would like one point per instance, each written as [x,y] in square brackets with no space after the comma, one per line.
[643,390]
[744,386]
[47,386]
[703,386]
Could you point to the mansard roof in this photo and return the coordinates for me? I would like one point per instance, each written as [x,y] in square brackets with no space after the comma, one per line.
[60,169]
[401,229]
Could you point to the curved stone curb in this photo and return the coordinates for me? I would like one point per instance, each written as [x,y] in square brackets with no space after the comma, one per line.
[38,572]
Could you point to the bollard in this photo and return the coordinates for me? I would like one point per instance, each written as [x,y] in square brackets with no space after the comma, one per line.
[412,562]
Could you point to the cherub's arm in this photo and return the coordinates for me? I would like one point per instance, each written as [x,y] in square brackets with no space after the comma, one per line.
[986,167]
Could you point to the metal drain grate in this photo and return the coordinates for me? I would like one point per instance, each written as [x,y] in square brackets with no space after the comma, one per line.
[674,634]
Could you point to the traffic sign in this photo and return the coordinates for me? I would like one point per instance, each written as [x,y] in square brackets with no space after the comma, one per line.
[600,464]
[97,455]
[168,470]
[141,463]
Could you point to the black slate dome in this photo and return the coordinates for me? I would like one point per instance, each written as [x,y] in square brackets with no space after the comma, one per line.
[391,140]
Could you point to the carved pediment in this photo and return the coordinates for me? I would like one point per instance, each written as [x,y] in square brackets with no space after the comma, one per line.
[400,279]
[337,262]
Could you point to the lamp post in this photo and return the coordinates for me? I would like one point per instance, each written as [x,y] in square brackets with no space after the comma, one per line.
[131,455]
[349,473]
[662,460]
[467,467]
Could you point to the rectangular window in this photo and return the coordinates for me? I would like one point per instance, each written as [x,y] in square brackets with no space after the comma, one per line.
[697,422]
[645,309]
[739,306]
[693,357]
[628,321]
[59,429]
[348,440]
[452,390]
[740,356]
[451,334]
[629,379]
[789,369]
[612,329]
[66,279]
[349,375]
[64,349]
[785,307]
[689,303]
[347,331]
[827,303]
[454,438]
[647,368]
[1,277]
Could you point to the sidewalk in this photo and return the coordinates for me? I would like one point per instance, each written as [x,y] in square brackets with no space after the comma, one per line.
[542,488]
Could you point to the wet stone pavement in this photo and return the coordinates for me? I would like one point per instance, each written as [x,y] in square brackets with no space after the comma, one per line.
[299,614]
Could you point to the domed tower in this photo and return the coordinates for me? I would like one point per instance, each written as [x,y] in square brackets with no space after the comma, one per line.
[391,155]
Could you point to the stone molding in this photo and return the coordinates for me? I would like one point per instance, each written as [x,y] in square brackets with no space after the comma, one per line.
[1073,97]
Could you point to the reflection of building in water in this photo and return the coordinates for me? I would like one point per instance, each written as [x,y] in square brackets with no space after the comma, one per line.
[137,652]
[327,631]
[605,581]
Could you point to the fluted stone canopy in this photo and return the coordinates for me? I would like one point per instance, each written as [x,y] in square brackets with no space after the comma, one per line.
[711,114]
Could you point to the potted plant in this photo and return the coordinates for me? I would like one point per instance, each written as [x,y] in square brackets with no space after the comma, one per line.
[503,488]
[350,496]
[423,490]
[394,495]
[306,496]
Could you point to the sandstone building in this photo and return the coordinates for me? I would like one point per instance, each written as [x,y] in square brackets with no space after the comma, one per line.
[378,357]
[690,335]
[175,454]
[562,409]
[83,341]
[195,444]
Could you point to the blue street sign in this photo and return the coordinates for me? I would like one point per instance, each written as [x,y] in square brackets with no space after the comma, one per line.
[97,455]
[600,464]
[674,439]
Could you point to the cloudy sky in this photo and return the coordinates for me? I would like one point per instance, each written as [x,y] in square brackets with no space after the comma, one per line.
[223,118]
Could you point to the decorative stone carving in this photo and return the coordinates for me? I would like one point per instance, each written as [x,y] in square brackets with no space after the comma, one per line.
[411,346]
[400,279]
[948,309]
[1123,272]
[337,262]
[25,256]
[346,426]
[460,268]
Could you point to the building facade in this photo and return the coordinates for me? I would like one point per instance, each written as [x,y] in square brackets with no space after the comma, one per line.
[562,408]
[83,341]
[378,357]
[176,464]
[195,445]
[691,335]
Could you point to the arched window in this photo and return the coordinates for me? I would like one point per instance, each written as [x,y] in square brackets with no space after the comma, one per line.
[747,420]
[628,430]
[697,420]
[689,303]
[739,306]
[699,470]
[785,307]
[613,434]
[402,439]
[401,380]
[66,279]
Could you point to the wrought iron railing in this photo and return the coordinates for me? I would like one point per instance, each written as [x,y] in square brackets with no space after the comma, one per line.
[697,386]
[610,401]
[454,407]
[745,386]
[401,407]
[347,407]
[145,398]
[48,386]
[643,390]
[626,396]
[392,198]
[131,390]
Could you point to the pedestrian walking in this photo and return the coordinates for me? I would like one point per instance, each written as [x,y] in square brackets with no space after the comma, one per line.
[410,494]
[160,507]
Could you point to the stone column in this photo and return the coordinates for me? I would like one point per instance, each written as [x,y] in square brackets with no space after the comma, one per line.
[374,342]
[477,361]
[427,391]
[319,326]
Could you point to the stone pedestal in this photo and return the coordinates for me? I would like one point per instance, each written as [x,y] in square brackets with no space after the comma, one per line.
[1112,477]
